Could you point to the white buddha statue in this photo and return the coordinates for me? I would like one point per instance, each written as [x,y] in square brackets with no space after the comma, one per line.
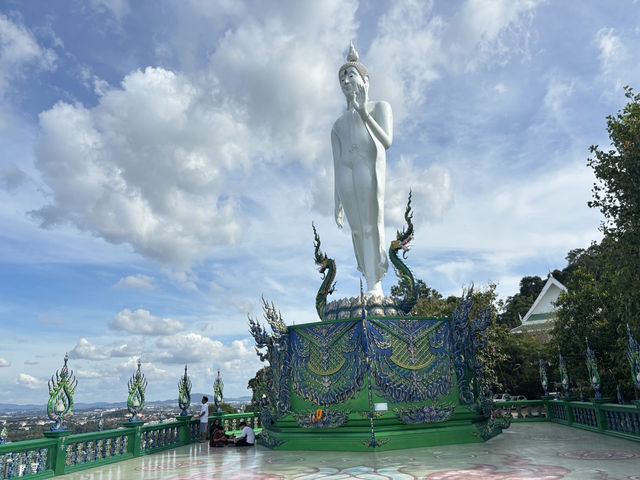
[359,139]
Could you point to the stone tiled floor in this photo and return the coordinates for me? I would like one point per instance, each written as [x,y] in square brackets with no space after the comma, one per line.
[531,451]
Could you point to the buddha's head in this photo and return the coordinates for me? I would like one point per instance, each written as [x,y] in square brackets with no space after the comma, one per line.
[353,74]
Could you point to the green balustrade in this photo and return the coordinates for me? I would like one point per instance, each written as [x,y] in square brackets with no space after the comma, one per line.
[62,452]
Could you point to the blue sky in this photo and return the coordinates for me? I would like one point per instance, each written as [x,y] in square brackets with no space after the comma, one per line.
[162,163]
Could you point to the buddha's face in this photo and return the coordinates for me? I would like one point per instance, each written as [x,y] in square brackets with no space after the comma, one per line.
[350,81]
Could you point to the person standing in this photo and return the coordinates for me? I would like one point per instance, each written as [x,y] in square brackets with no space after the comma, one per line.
[204,418]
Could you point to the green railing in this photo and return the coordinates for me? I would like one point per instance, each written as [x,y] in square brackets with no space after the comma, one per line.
[524,410]
[63,452]
[597,415]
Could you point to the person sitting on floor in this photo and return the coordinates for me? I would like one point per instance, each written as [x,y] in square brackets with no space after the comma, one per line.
[218,436]
[248,437]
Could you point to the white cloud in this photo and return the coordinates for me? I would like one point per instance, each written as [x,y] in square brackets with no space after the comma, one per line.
[136,281]
[612,49]
[88,375]
[193,347]
[481,33]
[126,350]
[432,192]
[4,363]
[84,349]
[149,369]
[184,279]
[160,163]
[26,380]
[143,323]
[19,50]
[118,8]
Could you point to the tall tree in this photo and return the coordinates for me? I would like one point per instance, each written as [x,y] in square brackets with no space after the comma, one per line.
[604,290]
[617,195]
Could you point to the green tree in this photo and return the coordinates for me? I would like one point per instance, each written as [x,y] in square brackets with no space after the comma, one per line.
[604,285]
[517,305]
[259,385]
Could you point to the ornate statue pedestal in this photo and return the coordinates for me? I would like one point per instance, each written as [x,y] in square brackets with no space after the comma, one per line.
[375,383]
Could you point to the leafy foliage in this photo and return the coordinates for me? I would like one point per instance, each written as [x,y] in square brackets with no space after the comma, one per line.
[259,386]
[604,286]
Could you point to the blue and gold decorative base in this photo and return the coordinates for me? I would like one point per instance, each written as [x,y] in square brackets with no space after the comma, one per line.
[379,383]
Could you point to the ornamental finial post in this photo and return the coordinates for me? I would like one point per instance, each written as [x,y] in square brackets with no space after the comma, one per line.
[564,375]
[592,369]
[137,388]
[61,390]
[184,393]
[633,355]
[218,396]
[543,376]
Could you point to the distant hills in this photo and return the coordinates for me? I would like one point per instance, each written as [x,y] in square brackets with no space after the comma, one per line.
[42,408]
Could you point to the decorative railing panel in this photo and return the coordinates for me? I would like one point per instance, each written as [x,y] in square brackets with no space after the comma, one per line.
[161,436]
[523,410]
[559,412]
[585,415]
[66,453]
[195,431]
[627,422]
[88,448]
[23,463]
[232,421]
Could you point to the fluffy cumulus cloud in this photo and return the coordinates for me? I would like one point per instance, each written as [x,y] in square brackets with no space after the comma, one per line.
[160,162]
[143,323]
[28,381]
[149,369]
[193,347]
[85,350]
[144,282]
[126,350]
[4,363]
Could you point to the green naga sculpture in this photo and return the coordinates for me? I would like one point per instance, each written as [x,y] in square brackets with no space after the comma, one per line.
[633,355]
[403,238]
[564,375]
[328,270]
[61,390]
[137,388]
[543,376]
[592,368]
[184,393]
[218,396]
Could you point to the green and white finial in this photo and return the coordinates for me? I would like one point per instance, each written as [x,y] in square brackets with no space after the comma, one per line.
[137,388]
[218,396]
[543,376]
[3,434]
[592,368]
[633,355]
[61,390]
[184,393]
[564,375]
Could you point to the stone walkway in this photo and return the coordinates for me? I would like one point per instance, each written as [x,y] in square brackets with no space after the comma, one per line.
[530,451]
